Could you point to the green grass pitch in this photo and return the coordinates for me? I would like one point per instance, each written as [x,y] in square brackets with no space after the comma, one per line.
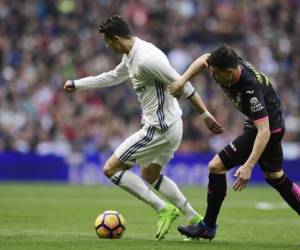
[46,216]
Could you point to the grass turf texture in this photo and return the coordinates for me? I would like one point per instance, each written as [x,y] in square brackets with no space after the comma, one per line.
[46,216]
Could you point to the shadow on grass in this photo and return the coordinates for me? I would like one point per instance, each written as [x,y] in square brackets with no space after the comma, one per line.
[205,244]
[140,243]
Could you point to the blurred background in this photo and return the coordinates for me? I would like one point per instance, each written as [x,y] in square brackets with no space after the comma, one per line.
[47,134]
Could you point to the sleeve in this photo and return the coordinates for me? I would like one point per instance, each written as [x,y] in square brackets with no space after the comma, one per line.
[254,104]
[159,67]
[107,79]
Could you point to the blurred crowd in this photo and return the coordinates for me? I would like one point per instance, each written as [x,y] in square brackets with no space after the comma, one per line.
[45,42]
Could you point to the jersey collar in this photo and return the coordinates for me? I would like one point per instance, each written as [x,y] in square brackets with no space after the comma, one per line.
[133,49]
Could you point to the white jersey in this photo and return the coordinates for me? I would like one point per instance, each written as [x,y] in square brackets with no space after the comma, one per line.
[150,72]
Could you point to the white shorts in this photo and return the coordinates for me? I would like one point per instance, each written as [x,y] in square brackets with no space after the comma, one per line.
[150,145]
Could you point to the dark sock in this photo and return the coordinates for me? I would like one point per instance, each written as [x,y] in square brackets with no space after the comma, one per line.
[288,190]
[215,195]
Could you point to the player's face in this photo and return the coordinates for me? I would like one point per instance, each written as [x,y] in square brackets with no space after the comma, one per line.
[112,43]
[223,77]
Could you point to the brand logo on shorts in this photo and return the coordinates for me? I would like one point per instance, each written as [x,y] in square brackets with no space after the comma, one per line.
[140,89]
[232,146]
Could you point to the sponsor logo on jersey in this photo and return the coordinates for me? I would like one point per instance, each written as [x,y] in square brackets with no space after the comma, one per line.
[250,92]
[253,101]
[255,105]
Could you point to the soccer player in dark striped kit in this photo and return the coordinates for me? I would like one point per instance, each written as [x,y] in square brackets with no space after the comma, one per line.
[251,92]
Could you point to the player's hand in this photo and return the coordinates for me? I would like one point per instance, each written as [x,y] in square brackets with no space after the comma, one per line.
[69,86]
[213,125]
[176,88]
[243,174]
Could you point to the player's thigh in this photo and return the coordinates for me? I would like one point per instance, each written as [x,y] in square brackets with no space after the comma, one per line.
[174,134]
[164,148]
[135,146]
[238,151]
[216,166]
[113,165]
[158,147]
[271,160]
[151,172]
[161,152]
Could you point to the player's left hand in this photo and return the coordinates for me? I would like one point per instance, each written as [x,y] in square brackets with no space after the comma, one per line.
[213,125]
[176,88]
[69,86]
[243,174]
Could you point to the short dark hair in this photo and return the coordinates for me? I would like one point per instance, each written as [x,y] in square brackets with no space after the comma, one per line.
[115,26]
[223,58]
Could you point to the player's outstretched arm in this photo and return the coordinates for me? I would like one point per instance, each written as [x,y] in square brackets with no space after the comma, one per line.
[207,117]
[111,78]
[196,67]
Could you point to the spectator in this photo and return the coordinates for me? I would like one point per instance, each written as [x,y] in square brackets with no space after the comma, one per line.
[42,43]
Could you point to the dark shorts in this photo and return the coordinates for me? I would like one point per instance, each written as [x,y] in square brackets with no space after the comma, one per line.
[237,152]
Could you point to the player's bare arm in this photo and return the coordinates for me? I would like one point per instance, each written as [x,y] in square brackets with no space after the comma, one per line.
[207,117]
[195,68]
[243,173]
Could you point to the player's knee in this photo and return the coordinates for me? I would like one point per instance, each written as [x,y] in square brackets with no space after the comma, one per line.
[214,167]
[150,178]
[109,168]
[274,175]
[112,166]
[151,173]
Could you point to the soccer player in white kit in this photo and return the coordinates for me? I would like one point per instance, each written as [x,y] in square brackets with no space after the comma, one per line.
[155,144]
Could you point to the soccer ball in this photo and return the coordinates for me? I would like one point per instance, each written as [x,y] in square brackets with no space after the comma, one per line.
[110,225]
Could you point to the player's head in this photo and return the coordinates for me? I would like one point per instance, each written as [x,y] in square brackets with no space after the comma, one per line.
[223,64]
[114,31]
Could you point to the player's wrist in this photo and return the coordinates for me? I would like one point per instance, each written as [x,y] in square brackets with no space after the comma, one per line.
[183,83]
[183,80]
[204,115]
[249,165]
[73,84]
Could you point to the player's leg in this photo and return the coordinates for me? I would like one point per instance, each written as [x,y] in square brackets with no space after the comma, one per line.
[170,190]
[288,190]
[271,164]
[233,154]
[116,168]
[141,148]
[154,155]
[165,151]
[217,188]
[215,196]
[166,216]
[132,183]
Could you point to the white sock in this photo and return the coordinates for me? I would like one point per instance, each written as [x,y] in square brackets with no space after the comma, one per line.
[170,190]
[133,184]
